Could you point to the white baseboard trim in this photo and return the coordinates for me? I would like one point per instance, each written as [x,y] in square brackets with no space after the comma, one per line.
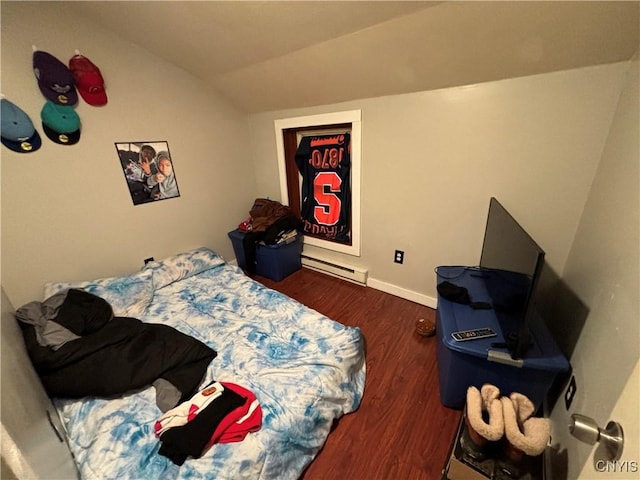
[407,294]
[420,298]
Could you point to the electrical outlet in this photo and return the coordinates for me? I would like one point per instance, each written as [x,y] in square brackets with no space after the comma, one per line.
[399,256]
[147,260]
[570,393]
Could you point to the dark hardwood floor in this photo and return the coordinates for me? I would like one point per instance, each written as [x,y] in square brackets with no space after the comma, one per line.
[401,430]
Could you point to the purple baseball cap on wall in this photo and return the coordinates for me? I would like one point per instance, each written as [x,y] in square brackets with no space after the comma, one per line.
[55,80]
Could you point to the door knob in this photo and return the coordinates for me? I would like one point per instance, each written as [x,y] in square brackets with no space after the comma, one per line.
[587,430]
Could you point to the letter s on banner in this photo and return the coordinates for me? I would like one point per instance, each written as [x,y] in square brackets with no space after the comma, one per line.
[328,211]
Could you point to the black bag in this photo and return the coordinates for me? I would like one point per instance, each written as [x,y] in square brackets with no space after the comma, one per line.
[457,294]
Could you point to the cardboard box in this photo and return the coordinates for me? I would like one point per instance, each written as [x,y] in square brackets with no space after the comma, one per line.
[459,470]
[461,466]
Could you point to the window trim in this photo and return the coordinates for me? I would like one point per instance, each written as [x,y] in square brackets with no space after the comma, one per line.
[319,121]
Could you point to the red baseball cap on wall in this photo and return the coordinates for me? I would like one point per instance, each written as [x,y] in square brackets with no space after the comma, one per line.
[89,81]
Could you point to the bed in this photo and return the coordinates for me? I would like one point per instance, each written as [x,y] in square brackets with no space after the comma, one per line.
[305,371]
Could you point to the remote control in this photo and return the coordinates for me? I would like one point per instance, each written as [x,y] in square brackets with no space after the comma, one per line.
[473,334]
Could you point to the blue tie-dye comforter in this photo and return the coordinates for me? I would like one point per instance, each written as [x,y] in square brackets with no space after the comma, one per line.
[305,370]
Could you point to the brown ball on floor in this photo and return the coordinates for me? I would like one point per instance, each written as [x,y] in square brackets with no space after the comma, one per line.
[426,327]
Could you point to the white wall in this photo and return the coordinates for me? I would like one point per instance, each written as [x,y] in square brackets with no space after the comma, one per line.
[66,211]
[603,269]
[432,160]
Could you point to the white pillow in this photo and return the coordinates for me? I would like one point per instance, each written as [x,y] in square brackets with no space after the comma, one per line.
[128,295]
[182,265]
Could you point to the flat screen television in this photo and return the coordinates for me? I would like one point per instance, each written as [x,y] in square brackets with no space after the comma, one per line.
[511,263]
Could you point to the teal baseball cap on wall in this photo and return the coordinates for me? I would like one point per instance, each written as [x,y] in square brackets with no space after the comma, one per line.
[60,123]
[17,130]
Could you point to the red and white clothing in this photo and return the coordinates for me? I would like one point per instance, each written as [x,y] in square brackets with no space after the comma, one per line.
[222,412]
[187,410]
[242,421]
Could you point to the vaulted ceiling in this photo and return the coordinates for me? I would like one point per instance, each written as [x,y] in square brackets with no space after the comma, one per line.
[271,55]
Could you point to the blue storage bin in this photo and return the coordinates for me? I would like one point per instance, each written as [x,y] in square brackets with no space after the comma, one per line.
[475,362]
[272,261]
[236,237]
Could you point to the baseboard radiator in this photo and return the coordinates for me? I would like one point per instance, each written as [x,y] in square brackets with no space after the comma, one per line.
[347,272]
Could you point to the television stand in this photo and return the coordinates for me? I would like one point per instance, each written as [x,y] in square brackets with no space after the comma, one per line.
[475,362]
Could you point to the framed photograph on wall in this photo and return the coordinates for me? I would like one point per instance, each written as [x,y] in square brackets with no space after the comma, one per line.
[149,171]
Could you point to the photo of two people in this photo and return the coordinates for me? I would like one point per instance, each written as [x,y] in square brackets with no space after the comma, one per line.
[148,169]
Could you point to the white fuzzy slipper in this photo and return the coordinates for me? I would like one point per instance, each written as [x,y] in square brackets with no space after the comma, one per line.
[524,432]
[484,400]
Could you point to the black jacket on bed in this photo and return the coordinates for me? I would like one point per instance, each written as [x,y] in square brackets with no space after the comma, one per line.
[114,355]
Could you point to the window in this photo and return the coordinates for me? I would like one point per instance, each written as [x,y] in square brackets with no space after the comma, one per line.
[289,133]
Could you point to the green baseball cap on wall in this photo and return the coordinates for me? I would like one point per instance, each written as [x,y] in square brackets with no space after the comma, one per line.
[60,123]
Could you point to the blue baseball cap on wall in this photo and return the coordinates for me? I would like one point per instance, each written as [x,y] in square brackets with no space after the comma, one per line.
[55,80]
[60,123]
[18,133]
